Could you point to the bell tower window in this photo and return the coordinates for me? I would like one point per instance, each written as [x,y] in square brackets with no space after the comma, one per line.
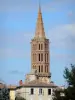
[39,57]
[39,68]
[42,68]
[45,68]
[42,57]
[47,57]
[39,46]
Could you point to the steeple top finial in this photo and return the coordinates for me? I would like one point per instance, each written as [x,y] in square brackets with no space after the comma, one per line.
[39,6]
[39,27]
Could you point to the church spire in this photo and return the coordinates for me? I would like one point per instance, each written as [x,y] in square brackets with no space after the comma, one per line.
[39,33]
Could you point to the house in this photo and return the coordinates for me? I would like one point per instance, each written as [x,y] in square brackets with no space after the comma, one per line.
[11,89]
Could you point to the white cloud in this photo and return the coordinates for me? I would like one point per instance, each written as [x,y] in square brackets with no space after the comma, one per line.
[62,35]
[63,42]
[62,49]
[15,72]
[15,38]
[15,45]
[13,53]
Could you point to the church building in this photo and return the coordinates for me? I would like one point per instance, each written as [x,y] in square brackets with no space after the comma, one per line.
[38,84]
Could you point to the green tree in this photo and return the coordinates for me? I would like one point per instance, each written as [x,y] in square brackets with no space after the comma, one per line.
[19,98]
[57,94]
[69,75]
[4,94]
[69,92]
[1,96]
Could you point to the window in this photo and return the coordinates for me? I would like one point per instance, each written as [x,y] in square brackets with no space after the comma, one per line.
[39,46]
[49,91]
[47,57]
[39,57]
[40,91]
[47,68]
[39,68]
[42,68]
[32,91]
[45,46]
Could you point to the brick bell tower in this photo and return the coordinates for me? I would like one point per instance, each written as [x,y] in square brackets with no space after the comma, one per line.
[40,59]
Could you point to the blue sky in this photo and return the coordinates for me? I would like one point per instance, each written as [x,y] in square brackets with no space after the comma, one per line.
[17,28]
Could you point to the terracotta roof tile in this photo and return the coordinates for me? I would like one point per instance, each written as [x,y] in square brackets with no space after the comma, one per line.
[37,83]
[11,87]
[2,85]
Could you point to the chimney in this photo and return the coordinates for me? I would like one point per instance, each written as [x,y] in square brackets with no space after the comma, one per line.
[20,82]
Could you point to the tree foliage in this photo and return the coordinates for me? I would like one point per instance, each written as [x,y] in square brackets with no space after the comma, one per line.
[69,91]
[4,94]
[69,75]
[57,94]
[19,98]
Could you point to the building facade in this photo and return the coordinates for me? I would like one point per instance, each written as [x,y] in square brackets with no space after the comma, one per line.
[35,93]
[12,92]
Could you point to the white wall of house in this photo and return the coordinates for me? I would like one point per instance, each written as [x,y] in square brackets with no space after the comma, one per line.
[25,92]
[12,94]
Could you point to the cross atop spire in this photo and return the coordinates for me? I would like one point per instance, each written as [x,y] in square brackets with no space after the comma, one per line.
[39,26]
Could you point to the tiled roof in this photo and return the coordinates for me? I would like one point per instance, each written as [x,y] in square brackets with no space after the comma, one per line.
[11,87]
[2,85]
[37,83]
